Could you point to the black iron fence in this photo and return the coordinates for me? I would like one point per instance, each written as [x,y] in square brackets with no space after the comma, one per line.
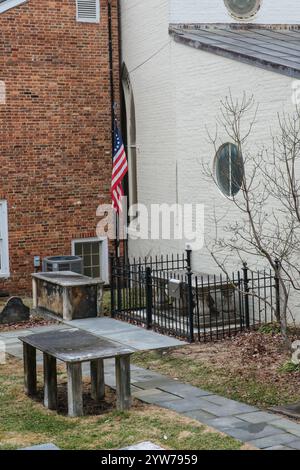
[163,294]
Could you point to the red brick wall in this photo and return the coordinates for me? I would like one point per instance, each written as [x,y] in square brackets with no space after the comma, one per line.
[55,134]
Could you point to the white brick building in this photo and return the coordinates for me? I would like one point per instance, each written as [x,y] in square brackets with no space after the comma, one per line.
[180,59]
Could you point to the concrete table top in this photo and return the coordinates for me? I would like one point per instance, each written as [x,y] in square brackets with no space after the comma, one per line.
[67,279]
[74,345]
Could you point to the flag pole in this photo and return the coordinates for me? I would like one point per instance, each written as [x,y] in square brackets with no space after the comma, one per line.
[113,115]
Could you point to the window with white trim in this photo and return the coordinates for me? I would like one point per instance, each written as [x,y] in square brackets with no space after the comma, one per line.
[94,253]
[4,258]
[7,4]
[88,11]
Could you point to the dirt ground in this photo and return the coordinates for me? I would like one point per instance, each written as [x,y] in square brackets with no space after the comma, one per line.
[31,323]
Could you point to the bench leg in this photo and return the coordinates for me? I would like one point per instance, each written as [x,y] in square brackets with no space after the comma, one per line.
[123,382]
[75,400]
[29,356]
[97,379]
[50,382]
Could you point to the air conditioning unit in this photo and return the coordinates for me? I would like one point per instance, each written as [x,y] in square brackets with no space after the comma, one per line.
[63,263]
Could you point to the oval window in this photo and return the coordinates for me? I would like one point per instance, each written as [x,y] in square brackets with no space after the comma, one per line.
[243,9]
[229,169]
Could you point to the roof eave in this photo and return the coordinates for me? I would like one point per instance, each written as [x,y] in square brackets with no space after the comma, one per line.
[182,38]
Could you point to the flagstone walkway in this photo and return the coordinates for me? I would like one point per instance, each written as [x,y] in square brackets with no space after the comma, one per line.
[246,423]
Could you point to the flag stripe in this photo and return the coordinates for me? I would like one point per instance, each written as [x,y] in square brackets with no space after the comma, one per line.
[118,154]
[119,170]
[119,176]
[119,159]
[119,163]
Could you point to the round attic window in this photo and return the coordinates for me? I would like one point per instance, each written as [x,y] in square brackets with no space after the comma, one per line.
[243,9]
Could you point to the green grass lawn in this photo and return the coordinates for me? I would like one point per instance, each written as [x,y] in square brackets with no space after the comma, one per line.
[25,422]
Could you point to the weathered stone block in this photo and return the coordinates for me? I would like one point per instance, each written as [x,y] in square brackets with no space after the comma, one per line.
[14,311]
[67,294]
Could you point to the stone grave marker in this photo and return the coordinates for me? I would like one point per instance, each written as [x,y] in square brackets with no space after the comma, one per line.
[14,311]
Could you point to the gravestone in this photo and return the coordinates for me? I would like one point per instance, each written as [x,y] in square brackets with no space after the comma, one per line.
[14,311]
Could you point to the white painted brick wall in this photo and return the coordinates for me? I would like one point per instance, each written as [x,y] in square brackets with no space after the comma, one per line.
[145,36]
[214,11]
[177,96]
[202,80]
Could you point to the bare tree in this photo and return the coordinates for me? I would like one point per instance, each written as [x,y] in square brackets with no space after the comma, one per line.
[268,204]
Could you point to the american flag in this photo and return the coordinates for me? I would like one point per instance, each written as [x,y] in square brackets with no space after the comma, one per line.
[120,168]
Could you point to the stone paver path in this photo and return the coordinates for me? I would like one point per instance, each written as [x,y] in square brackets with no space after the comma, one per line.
[246,423]
[125,333]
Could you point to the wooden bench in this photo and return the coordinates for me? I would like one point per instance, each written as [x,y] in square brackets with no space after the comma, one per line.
[74,347]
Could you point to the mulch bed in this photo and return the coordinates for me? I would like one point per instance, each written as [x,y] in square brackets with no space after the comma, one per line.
[31,323]
[247,354]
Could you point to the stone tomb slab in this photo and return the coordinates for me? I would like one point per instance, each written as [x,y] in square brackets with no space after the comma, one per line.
[74,345]
[67,295]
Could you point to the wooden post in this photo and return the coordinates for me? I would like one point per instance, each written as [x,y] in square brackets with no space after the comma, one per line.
[97,379]
[50,382]
[123,382]
[75,400]
[29,357]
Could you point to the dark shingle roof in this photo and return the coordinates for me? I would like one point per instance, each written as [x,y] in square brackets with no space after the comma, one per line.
[273,49]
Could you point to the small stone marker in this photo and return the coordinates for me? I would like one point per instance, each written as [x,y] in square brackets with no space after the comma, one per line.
[14,311]
[147,445]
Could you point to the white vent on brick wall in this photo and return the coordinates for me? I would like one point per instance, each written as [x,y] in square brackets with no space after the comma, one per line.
[88,11]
